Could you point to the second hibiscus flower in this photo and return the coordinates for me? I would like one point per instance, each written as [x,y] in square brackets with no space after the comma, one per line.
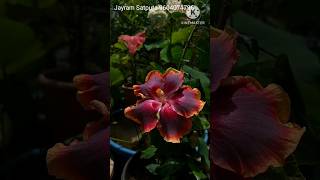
[166,104]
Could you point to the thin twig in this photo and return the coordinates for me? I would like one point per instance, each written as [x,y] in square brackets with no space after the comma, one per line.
[186,46]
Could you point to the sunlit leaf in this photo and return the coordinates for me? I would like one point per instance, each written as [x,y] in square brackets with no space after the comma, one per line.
[181,36]
[149,152]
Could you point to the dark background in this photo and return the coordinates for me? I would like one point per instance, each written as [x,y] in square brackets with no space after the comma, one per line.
[59,39]
[43,44]
[279,42]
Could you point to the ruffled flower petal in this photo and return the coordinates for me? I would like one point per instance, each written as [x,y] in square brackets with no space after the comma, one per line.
[223,53]
[133,42]
[187,102]
[157,85]
[87,160]
[248,135]
[153,81]
[172,81]
[144,113]
[92,87]
[172,126]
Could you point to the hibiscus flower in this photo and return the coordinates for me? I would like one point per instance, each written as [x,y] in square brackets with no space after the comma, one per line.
[133,42]
[92,89]
[166,104]
[249,123]
[87,159]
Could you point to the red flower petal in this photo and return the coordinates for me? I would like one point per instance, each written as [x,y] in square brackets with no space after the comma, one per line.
[171,125]
[223,56]
[157,84]
[92,87]
[153,81]
[81,160]
[247,135]
[133,42]
[187,103]
[144,113]
[172,81]
[92,128]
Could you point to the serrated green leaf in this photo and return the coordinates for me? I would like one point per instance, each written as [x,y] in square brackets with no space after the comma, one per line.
[149,152]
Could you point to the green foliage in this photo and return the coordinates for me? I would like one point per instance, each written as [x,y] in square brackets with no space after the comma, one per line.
[152,168]
[149,152]
[196,171]
[173,45]
[204,80]
[116,76]
[204,152]
[181,36]
[19,46]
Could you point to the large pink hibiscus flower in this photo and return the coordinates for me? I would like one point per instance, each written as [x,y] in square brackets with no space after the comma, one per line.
[166,104]
[249,123]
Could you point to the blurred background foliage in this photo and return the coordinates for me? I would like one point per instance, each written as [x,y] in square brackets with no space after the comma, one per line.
[64,38]
[279,43]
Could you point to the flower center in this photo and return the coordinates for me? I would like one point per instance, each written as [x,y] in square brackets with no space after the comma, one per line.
[160,94]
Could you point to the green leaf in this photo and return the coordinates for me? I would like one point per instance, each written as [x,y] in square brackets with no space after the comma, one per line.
[18,46]
[204,151]
[120,45]
[176,52]
[168,168]
[177,15]
[201,123]
[204,80]
[115,58]
[164,54]
[15,38]
[152,168]
[196,171]
[160,44]
[181,36]
[149,152]
[116,76]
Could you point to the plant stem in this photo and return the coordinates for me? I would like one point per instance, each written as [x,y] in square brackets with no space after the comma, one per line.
[186,46]
[134,70]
